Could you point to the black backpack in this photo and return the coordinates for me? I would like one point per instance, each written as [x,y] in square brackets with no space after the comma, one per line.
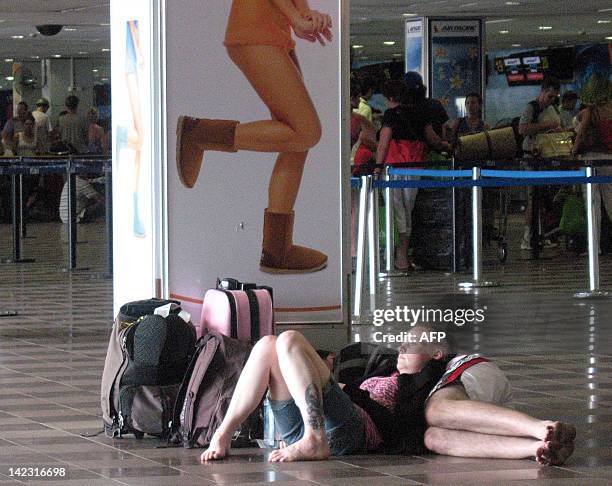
[147,358]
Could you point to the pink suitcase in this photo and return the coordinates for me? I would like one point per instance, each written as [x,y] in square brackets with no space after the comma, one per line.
[246,315]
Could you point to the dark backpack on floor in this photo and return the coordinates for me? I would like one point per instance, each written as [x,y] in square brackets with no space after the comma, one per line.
[147,358]
[207,388]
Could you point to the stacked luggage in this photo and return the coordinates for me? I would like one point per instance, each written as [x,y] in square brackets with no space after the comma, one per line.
[432,233]
[160,379]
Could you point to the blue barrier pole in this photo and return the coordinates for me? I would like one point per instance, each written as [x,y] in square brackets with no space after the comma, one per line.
[389,226]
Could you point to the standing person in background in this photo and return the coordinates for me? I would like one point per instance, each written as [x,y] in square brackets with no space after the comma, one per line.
[568,110]
[405,137]
[436,112]
[97,141]
[594,141]
[73,127]
[539,116]
[366,92]
[470,124]
[42,126]
[24,142]
[14,126]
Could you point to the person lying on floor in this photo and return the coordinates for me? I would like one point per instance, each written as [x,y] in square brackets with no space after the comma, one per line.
[314,417]
[463,414]
[468,416]
[389,414]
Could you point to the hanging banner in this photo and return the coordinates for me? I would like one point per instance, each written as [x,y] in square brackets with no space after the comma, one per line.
[414,34]
[265,205]
[456,61]
[132,125]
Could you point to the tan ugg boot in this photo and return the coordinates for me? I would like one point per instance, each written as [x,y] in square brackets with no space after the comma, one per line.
[279,254]
[193,137]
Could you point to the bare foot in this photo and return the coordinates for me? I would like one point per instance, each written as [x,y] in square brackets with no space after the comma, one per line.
[561,432]
[311,448]
[218,448]
[552,453]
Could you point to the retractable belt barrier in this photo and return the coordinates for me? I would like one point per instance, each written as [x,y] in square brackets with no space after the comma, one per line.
[478,178]
[17,167]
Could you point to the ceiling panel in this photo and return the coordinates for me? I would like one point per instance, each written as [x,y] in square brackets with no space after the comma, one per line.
[508,25]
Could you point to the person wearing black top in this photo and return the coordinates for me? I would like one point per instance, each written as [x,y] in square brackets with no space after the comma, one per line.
[406,136]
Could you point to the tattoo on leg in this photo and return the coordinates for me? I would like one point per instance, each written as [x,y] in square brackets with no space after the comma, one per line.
[314,407]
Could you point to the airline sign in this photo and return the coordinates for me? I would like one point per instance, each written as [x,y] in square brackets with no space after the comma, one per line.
[455,28]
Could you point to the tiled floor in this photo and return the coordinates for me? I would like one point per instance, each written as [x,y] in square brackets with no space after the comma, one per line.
[555,350]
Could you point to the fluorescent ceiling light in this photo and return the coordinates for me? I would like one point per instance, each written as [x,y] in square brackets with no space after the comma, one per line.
[57,55]
[16,37]
[10,78]
[545,27]
[468,4]
[105,49]
[357,46]
[409,14]
[605,10]
[604,21]
[498,21]
[83,52]
[8,60]
[609,37]
[35,57]
[94,70]
[69,29]
[504,31]
[389,43]
[516,45]
[513,3]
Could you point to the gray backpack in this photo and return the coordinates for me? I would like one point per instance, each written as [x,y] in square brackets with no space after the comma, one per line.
[146,360]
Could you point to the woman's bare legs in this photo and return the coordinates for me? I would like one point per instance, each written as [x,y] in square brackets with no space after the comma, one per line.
[135,142]
[290,367]
[295,127]
[305,374]
[260,372]
[275,77]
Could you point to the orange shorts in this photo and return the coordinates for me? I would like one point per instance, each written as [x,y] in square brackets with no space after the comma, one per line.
[258,22]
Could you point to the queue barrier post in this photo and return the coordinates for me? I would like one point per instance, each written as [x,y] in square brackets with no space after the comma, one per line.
[366,183]
[17,218]
[477,280]
[373,241]
[593,245]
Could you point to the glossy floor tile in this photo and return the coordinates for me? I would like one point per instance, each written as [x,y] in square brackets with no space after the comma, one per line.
[556,350]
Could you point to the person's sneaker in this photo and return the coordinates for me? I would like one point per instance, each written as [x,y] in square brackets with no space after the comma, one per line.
[550,244]
[525,244]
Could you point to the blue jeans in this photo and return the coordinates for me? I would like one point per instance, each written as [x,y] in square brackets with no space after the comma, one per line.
[344,427]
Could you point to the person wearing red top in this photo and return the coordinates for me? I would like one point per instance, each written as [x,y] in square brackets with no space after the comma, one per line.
[405,137]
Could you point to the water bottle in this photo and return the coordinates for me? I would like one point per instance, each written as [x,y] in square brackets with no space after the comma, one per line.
[268,424]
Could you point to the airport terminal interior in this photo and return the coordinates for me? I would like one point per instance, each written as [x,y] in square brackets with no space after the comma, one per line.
[554,348]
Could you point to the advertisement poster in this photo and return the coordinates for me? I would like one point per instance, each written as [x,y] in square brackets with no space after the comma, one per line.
[456,62]
[254,150]
[414,45]
[133,241]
